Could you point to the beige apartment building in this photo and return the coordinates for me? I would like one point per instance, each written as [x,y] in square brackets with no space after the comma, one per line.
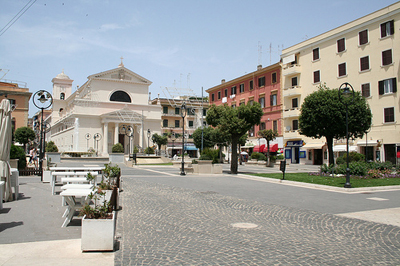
[171,122]
[364,53]
[19,98]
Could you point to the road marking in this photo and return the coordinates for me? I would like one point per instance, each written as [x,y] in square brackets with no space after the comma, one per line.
[377,199]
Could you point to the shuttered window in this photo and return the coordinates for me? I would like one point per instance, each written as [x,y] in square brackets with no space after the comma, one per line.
[387,86]
[341,45]
[364,63]
[387,28]
[389,114]
[317,76]
[342,69]
[365,90]
[315,54]
[363,37]
[387,57]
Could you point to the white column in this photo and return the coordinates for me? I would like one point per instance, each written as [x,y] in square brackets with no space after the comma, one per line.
[76,136]
[116,133]
[105,140]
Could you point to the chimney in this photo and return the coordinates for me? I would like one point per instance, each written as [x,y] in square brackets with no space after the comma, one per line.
[259,67]
[222,81]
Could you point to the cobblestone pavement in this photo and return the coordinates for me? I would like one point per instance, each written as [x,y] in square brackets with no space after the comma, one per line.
[167,225]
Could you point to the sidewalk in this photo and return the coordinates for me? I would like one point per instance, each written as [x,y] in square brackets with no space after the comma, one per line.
[31,233]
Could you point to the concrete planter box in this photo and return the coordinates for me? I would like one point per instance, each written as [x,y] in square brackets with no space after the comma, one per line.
[46,177]
[261,162]
[14,163]
[98,234]
[116,157]
[206,167]
[54,157]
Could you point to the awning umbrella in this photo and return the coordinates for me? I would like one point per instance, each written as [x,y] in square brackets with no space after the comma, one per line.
[5,144]
[244,153]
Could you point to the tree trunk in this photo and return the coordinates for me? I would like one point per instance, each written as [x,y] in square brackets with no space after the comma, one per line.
[329,140]
[268,159]
[234,162]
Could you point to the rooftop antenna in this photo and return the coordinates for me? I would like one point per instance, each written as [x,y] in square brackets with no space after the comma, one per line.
[259,53]
[3,72]
[270,53]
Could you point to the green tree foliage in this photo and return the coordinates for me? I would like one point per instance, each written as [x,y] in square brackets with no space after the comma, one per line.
[24,135]
[268,135]
[18,153]
[51,147]
[208,137]
[353,157]
[324,115]
[117,148]
[159,140]
[234,122]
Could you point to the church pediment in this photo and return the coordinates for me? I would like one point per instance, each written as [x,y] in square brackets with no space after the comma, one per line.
[125,115]
[121,74]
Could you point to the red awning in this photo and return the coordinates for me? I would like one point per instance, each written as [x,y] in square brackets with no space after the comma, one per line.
[259,148]
[274,148]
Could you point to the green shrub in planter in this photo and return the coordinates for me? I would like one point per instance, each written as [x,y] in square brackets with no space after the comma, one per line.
[380,165]
[149,150]
[353,157]
[51,147]
[258,156]
[18,153]
[117,148]
[210,154]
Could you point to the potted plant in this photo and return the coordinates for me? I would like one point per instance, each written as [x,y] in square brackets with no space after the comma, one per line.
[52,153]
[110,183]
[98,224]
[117,155]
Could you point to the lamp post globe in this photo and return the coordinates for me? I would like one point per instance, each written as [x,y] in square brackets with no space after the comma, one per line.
[42,99]
[346,92]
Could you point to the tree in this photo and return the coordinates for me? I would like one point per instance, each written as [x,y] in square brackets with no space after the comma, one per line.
[24,135]
[52,147]
[268,135]
[208,137]
[324,115]
[234,122]
[159,140]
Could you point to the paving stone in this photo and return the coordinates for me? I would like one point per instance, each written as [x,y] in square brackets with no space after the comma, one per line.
[164,225]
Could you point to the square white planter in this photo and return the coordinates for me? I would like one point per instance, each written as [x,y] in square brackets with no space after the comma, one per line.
[46,176]
[98,234]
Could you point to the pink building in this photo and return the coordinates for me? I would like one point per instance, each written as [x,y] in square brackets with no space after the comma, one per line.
[263,86]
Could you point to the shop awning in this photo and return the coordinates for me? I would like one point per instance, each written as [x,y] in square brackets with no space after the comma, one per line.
[313,145]
[259,148]
[338,148]
[190,148]
[274,148]
[371,142]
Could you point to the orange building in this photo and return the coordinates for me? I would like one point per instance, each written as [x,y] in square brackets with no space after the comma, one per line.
[263,86]
[19,98]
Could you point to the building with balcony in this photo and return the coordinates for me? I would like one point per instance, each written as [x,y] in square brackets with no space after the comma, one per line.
[262,86]
[91,116]
[18,95]
[171,122]
[365,54]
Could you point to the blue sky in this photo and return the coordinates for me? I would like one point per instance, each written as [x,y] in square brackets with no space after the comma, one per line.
[163,41]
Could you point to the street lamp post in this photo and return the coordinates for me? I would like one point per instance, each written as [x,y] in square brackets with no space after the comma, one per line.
[173,138]
[148,142]
[183,114]
[366,143]
[128,131]
[42,99]
[346,91]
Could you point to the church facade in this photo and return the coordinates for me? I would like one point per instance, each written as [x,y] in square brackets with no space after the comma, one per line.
[93,116]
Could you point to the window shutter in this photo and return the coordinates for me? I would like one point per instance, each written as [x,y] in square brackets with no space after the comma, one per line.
[391,27]
[271,103]
[383,30]
[381,87]
[394,84]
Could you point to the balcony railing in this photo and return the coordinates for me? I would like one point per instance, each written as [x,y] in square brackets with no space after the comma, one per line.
[292,91]
[293,112]
[291,70]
